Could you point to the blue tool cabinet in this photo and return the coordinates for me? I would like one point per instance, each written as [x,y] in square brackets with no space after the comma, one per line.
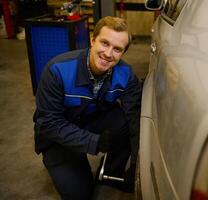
[47,37]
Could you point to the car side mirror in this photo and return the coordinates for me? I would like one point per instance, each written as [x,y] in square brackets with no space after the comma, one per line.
[154,4]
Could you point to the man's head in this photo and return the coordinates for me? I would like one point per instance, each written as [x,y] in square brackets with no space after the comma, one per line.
[111,38]
[115,23]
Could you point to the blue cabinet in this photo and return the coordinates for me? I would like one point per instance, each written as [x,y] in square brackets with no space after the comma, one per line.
[47,37]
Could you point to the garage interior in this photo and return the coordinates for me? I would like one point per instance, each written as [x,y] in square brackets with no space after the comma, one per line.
[23,176]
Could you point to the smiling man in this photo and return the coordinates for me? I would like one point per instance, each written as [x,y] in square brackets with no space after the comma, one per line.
[88,101]
[107,49]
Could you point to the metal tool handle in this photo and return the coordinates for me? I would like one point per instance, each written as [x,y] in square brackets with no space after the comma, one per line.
[102,168]
[102,176]
[113,178]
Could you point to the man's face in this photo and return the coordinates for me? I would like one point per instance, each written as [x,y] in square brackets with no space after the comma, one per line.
[107,49]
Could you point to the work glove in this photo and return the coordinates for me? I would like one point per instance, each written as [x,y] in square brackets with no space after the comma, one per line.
[107,141]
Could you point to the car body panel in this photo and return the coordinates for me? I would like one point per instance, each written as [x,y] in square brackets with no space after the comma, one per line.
[174,111]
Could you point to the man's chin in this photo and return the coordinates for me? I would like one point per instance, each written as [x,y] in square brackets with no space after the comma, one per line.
[105,69]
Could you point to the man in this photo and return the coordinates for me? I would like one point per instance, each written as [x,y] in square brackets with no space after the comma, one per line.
[88,101]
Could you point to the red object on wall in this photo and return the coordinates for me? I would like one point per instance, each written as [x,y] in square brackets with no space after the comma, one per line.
[7,18]
[198,195]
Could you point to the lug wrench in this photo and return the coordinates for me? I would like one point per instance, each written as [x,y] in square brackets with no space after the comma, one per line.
[106,177]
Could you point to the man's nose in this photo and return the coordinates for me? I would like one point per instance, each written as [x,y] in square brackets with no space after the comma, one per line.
[108,52]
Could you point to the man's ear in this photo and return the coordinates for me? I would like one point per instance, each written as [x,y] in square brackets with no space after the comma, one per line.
[92,40]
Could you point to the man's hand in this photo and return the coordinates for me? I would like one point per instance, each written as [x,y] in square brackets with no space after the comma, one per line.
[107,141]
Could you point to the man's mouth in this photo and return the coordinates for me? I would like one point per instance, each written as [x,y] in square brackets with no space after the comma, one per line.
[104,61]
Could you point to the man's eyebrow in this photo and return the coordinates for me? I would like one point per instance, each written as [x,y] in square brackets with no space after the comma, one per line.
[118,47]
[104,39]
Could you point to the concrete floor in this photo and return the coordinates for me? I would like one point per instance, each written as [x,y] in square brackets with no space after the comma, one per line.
[22,175]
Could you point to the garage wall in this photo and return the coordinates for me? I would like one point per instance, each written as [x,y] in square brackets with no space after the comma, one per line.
[140,22]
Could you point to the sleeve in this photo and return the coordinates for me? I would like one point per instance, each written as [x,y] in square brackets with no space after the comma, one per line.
[131,104]
[50,122]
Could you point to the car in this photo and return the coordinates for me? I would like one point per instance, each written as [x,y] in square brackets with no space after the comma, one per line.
[173,154]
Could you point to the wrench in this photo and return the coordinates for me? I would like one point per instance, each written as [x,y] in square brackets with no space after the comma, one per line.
[106,177]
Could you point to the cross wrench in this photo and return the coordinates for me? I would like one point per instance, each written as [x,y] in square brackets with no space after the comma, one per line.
[106,177]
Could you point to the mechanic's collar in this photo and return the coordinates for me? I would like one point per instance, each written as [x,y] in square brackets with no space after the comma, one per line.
[84,73]
[83,76]
[92,77]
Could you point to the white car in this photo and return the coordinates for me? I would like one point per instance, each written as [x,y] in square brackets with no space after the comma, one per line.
[173,156]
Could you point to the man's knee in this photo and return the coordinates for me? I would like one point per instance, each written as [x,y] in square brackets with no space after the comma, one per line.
[70,173]
[69,183]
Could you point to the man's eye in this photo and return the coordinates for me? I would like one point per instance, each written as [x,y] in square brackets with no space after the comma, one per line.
[104,43]
[118,50]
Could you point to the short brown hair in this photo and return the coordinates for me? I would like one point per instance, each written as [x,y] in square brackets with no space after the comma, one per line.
[115,23]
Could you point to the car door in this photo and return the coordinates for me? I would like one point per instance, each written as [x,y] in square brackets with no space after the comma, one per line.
[162,79]
[180,90]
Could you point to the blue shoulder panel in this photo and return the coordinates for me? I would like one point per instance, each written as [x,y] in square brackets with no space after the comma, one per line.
[120,78]
[67,73]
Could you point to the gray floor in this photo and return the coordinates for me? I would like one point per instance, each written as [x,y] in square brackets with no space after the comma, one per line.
[22,175]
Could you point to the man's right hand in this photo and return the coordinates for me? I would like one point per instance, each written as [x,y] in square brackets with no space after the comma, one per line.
[107,141]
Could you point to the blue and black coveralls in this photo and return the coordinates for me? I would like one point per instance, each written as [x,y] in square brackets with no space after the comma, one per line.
[68,120]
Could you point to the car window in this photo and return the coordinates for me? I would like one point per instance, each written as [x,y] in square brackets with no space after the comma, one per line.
[172,9]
